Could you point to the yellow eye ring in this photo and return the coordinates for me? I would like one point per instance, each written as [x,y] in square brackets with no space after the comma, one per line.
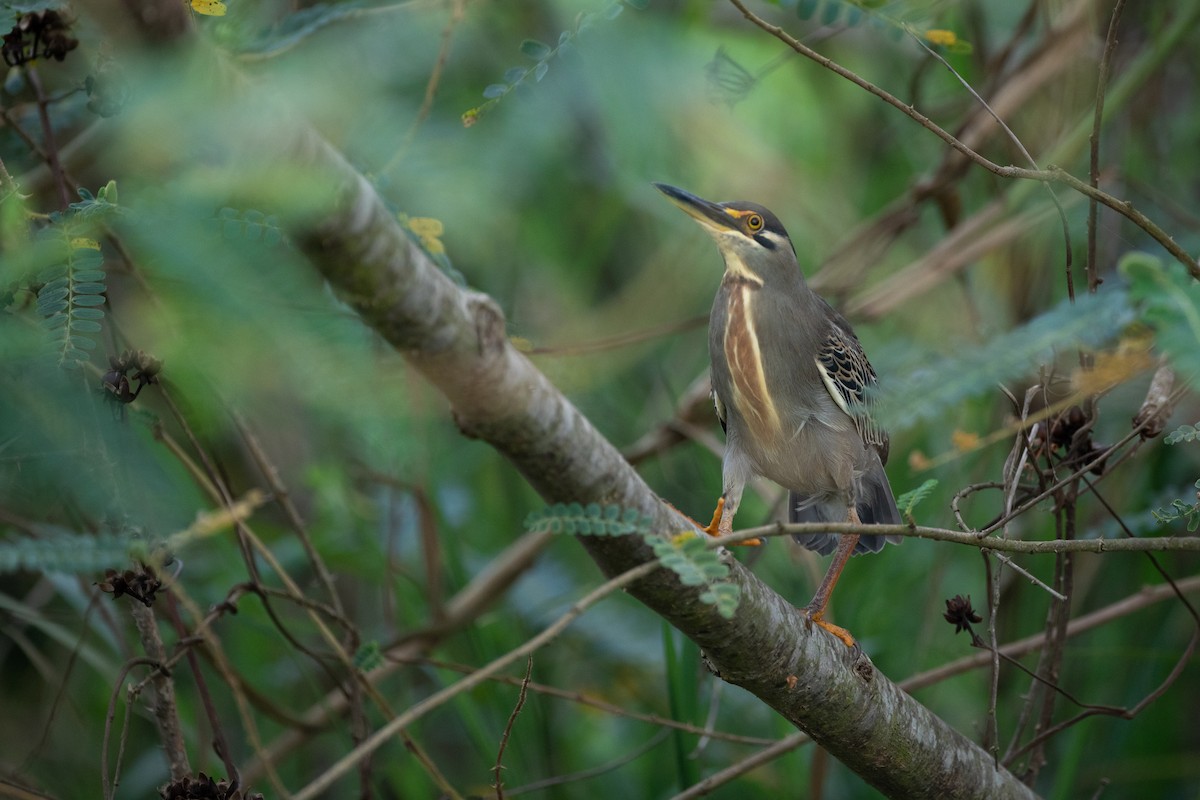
[754,222]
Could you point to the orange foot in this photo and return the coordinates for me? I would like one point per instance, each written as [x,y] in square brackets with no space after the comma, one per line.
[714,527]
[839,632]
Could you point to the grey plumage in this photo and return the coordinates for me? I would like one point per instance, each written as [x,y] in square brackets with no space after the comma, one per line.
[790,382]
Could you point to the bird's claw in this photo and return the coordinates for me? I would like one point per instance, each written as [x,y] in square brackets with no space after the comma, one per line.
[722,527]
[816,617]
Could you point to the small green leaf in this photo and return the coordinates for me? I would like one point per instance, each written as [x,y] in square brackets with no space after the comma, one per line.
[52,295]
[369,656]
[88,313]
[515,74]
[495,90]
[909,500]
[85,326]
[89,300]
[535,49]
[540,71]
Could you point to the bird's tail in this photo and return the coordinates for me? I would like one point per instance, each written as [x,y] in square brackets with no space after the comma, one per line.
[875,506]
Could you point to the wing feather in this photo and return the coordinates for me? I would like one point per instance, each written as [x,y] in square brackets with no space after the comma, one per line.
[848,377]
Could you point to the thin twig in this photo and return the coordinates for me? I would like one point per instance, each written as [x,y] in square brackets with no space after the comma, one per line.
[766,755]
[1148,596]
[1110,44]
[1051,173]
[317,787]
[602,705]
[457,14]
[1158,544]
[166,712]
[512,719]
[52,160]
[1062,215]
[109,715]
[591,772]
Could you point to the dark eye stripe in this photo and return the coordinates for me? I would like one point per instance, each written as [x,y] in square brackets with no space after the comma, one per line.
[765,242]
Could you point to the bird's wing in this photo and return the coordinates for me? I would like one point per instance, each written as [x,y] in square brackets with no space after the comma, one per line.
[719,406]
[847,375]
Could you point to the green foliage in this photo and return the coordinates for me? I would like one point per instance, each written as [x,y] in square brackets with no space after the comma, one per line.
[925,388]
[1169,301]
[1184,433]
[369,656]
[725,596]
[590,520]
[1181,510]
[93,209]
[248,226]
[298,26]
[910,499]
[68,552]
[542,54]
[71,294]
[687,555]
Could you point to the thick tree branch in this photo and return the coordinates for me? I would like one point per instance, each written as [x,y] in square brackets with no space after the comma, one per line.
[457,339]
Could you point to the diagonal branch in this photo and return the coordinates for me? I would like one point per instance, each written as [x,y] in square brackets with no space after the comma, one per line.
[456,339]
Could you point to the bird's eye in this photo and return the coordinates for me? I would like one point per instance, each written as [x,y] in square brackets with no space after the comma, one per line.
[754,222]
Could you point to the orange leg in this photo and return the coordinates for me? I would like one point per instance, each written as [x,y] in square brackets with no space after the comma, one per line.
[816,608]
[713,528]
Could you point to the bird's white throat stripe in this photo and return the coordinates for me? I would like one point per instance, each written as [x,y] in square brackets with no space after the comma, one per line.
[742,352]
[737,268]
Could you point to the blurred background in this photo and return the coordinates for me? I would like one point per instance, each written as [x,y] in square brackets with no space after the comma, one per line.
[517,143]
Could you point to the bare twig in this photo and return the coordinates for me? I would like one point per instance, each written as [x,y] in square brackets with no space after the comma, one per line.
[512,719]
[166,712]
[52,160]
[458,11]
[764,756]
[1110,44]
[602,705]
[1050,174]
[109,715]
[317,787]
[583,774]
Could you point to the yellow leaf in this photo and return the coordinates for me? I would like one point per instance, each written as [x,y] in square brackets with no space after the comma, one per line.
[521,343]
[428,230]
[209,8]
[470,117]
[83,243]
[1110,368]
[682,537]
[941,37]
[918,461]
[964,441]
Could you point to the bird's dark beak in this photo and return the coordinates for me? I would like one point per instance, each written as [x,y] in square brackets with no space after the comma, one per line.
[708,214]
